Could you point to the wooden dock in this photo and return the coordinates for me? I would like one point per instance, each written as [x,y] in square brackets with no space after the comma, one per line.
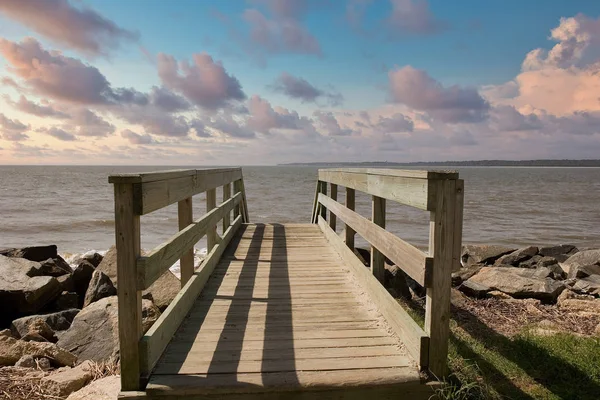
[284,311]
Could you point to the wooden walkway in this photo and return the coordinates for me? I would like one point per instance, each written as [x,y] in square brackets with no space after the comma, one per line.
[282,313]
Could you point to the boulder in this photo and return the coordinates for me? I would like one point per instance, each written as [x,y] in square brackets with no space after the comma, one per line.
[562,249]
[35,253]
[465,273]
[92,257]
[517,256]
[100,287]
[82,274]
[150,314]
[26,361]
[94,333]
[38,326]
[483,254]
[69,380]
[103,389]
[474,289]
[52,267]
[21,294]
[518,282]
[589,285]
[538,261]
[163,290]
[580,306]
[66,283]
[58,321]
[587,257]
[66,301]
[583,271]
[395,281]
[11,350]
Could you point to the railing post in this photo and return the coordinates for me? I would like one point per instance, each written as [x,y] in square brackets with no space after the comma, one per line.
[349,232]
[211,234]
[237,188]
[332,218]
[127,240]
[244,203]
[441,247]
[323,210]
[226,196]
[378,218]
[186,217]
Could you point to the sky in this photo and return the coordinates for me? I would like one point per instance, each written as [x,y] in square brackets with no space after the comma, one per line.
[261,82]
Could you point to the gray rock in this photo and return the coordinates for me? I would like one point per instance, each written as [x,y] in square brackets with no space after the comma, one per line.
[69,380]
[483,254]
[38,326]
[58,321]
[82,275]
[34,253]
[465,273]
[52,267]
[395,280]
[163,290]
[100,287]
[26,361]
[474,289]
[583,271]
[103,389]
[66,301]
[589,285]
[11,351]
[518,256]
[66,283]
[562,249]
[586,257]
[94,334]
[519,282]
[93,258]
[531,263]
[21,294]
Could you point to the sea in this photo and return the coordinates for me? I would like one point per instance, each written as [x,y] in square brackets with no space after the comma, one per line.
[73,206]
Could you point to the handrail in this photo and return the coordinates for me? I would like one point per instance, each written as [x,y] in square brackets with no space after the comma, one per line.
[440,193]
[139,194]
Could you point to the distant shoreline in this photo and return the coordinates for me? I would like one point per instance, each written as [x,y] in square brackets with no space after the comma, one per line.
[478,163]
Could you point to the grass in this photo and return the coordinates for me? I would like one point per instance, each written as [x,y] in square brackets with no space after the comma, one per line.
[488,364]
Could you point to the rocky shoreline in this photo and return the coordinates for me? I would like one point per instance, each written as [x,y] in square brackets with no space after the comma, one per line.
[60,318]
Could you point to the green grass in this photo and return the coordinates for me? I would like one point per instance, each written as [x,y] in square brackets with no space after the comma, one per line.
[487,365]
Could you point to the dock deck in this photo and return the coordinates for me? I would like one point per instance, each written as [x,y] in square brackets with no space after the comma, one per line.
[281,313]
[285,311]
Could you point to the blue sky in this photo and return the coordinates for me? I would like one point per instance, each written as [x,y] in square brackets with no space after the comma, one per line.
[378,56]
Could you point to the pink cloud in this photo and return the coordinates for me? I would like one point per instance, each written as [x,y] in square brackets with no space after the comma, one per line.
[301,89]
[136,138]
[27,106]
[413,17]
[263,117]
[204,82]
[79,28]
[58,133]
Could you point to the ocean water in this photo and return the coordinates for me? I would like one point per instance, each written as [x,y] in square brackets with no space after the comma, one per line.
[72,206]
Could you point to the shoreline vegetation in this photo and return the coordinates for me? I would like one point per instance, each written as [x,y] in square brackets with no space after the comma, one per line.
[525,322]
[474,163]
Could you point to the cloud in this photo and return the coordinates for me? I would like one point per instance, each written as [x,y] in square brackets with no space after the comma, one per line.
[153,120]
[58,133]
[263,117]
[14,125]
[227,125]
[301,89]
[508,119]
[204,82]
[396,123]
[413,17]
[331,125]
[136,138]
[283,32]
[29,107]
[14,136]
[416,89]
[168,101]
[81,28]
[87,123]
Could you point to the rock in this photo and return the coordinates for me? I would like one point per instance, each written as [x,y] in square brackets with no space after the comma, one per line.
[103,389]
[587,306]
[93,258]
[587,257]
[68,380]
[589,285]
[66,283]
[557,272]
[363,255]
[465,273]
[150,314]
[94,334]
[474,289]
[21,294]
[163,290]
[6,333]
[11,350]
[562,249]
[496,294]
[58,321]
[583,271]
[66,301]
[26,361]
[517,282]
[44,363]
[82,275]
[531,263]
[100,287]
[52,267]
[40,327]
[483,254]
[395,280]
[35,253]
[518,256]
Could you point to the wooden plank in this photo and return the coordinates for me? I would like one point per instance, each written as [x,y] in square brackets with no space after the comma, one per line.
[414,338]
[259,316]
[284,328]
[163,175]
[237,188]
[332,218]
[313,218]
[154,195]
[244,203]
[323,191]
[195,366]
[152,266]
[332,302]
[410,191]
[349,232]
[437,303]
[226,196]
[185,218]
[127,239]
[458,224]
[412,260]
[305,380]
[156,339]
[378,218]
[404,173]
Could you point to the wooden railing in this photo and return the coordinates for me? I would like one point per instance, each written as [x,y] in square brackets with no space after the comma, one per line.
[440,193]
[139,194]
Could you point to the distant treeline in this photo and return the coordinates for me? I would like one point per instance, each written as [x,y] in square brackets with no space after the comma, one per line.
[479,163]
